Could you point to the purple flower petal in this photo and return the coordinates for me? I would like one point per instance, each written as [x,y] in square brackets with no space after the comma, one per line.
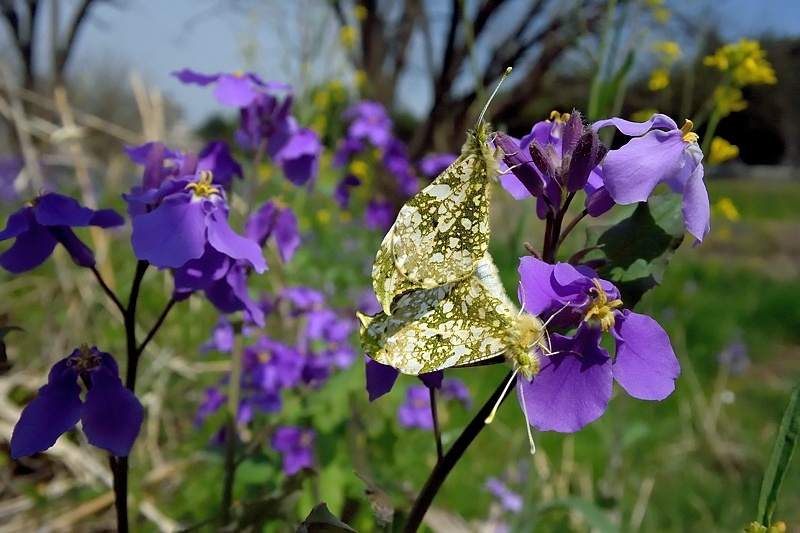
[54,209]
[30,249]
[230,243]
[645,364]
[112,415]
[234,90]
[380,378]
[189,76]
[54,411]
[570,390]
[287,234]
[171,234]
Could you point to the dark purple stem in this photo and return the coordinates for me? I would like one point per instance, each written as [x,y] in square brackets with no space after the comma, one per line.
[446,463]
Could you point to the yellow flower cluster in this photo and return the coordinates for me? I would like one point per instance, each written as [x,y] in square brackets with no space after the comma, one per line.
[660,13]
[726,209]
[728,100]
[670,52]
[745,61]
[721,151]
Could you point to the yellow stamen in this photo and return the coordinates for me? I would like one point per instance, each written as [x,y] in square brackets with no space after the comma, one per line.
[688,135]
[555,116]
[601,310]
[86,360]
[203,187]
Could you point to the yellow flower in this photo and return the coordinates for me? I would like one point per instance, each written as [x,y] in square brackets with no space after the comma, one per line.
[659,79]
[661,14]
[359,169]
[729,100]
[321,99]
[360,12]
[725,208]
[323,216]
[722,150]
[360,79]
[670,49]
[348,36]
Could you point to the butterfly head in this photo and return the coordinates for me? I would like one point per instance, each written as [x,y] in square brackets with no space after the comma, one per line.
[528,343]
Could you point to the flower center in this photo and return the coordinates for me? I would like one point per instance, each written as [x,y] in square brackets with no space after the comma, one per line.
[688,135]
[203,187]
[85,360]
[601,311]
[238,73]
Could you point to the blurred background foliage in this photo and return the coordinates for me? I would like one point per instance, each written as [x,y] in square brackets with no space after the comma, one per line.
[691,463]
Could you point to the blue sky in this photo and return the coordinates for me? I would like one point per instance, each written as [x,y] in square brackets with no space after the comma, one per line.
[210,36]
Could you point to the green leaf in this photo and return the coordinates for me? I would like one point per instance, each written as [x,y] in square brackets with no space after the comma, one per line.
[638,248]
[321,520]
[785,443]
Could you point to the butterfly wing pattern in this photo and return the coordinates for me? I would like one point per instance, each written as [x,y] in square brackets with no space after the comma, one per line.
[441,233]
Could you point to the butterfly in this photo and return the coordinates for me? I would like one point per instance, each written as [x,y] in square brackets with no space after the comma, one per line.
[461,323]
[442,233]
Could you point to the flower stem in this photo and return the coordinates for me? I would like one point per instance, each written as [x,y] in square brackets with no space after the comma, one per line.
[119,469]
[154,329]
[119,465]
[437,431]
[234,390]
[107,290]
[571,226]
[446,463]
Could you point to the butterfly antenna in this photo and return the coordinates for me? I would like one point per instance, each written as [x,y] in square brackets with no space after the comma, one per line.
[527,422]
[489,101]
[490,418]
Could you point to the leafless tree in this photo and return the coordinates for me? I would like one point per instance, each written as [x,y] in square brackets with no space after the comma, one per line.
[482,39]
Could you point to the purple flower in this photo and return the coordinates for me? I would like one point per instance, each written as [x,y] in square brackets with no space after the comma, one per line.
[370,121]
[213,400]
[509,500]
[379,215]
[222,336]
[660,152]
[734,358]
[559,157]
[295,444]
[348,147]
[191,215]
[44,223]
[237,89]
[416,411]
[341,194]
[454,389]
[573,386]
[273,219]
[216,157]
[433,165]
[299,156]
[265,122]
[302,298]
[395,160]
[111,414]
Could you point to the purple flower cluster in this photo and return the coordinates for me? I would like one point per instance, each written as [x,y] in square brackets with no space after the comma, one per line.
[271,366]
[266,121]
[180,221]
[110,414]
[562,156]
[573,385]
